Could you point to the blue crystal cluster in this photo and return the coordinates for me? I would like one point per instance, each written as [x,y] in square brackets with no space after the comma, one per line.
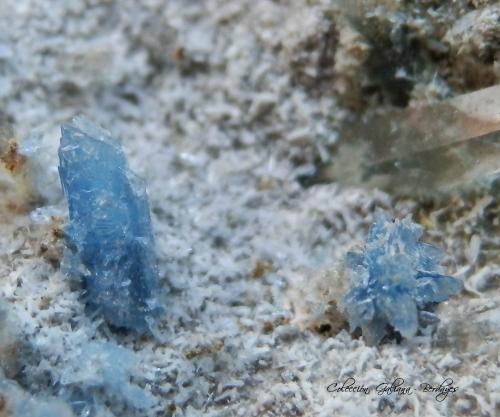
[109,232]
[397,281]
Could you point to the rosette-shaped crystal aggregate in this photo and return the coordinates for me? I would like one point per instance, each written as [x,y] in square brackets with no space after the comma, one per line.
[397,281]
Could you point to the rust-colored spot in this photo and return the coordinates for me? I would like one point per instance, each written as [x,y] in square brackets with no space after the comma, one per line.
[57,231]
[12,206]
[331,322]
[260,269]
[268,327]
[204,350]
[266,183]
[52,254]
[43,248]
[179,53]
[12,159]
[44,302]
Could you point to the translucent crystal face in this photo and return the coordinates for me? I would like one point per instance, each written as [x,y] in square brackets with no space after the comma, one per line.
[421,149]
[110,227]
[396,277]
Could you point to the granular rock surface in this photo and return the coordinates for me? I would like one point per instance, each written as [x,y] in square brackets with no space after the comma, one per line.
[223,107]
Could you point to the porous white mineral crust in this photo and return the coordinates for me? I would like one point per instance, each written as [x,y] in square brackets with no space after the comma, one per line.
[203,95]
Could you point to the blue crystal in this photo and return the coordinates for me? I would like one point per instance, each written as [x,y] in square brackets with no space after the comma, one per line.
[109,232]
[397,279]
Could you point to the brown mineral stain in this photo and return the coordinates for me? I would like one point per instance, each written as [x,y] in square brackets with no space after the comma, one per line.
[44,302]
[17,204]
[57,228]
[51,251]
[12,159]
[13,206]
[268,327]
[204,350]
[260,269]
[266,183]
[331,322]
[3,407]
[179,53]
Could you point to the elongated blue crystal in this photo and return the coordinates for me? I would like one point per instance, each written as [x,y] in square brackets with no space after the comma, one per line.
[397,280]
[109,232]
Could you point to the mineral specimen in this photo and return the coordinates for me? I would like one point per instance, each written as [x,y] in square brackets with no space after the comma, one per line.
[398,281]
[109,233]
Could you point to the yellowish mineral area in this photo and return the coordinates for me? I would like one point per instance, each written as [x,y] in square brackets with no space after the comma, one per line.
[17,194]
